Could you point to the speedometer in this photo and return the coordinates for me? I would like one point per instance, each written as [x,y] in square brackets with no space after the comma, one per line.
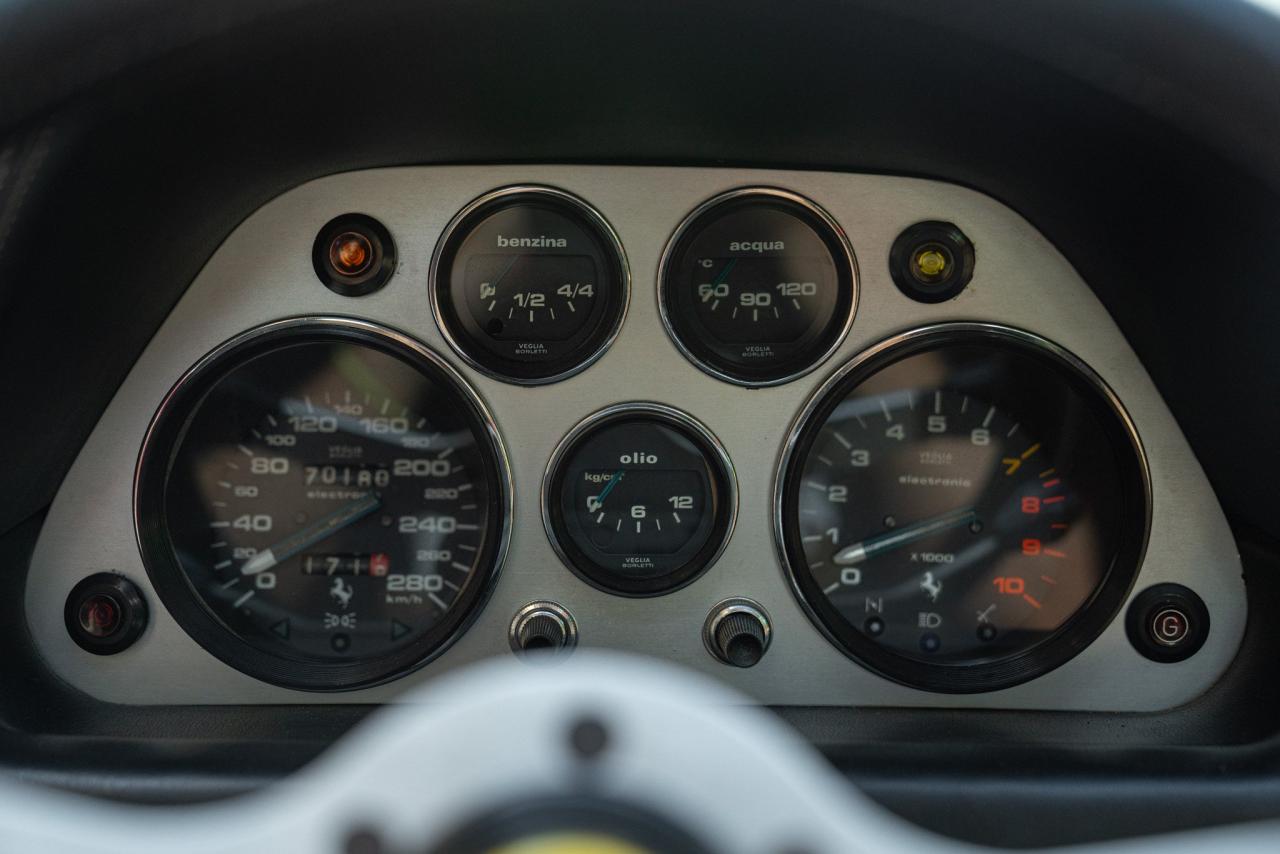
[323,505]
[963,508]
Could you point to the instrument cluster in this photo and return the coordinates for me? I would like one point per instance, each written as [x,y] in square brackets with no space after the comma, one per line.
[852,441]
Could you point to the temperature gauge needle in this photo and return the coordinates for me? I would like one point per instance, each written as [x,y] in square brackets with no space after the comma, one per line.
[867,549]
[724,274]
[309,536]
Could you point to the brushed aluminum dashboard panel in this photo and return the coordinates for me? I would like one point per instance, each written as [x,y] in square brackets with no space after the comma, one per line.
[263,272]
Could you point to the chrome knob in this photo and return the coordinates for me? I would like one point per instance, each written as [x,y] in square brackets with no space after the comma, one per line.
[541,628]
[737,632]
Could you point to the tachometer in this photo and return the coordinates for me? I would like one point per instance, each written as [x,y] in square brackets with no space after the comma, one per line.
[963,508]
[323,505]
[639,499]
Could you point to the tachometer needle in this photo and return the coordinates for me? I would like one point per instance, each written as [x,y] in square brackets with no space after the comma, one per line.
[309,536]
[867,549]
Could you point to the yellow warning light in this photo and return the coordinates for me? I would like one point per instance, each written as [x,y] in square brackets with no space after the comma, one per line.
[570,843]
[932,262]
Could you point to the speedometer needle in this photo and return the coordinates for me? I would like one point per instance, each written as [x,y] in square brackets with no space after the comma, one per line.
[309,536]
[867,549]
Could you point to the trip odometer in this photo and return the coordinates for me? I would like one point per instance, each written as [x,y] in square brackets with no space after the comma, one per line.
[322,504]
[639,499]
[964,507]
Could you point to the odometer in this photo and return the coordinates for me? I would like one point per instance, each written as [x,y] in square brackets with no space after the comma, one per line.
[964,507]
[758,286]
[323,505]
[639,499]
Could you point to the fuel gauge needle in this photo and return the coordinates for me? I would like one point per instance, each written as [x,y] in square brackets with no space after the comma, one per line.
[309,536]
[867,549]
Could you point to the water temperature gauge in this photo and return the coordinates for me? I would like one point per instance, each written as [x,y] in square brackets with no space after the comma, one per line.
[639,499]
[758,286]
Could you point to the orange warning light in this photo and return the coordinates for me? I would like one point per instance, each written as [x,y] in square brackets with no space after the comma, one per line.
[350,253]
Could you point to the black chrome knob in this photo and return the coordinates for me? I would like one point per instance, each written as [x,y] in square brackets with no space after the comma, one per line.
[737,632]
[542,627]
[1167,623]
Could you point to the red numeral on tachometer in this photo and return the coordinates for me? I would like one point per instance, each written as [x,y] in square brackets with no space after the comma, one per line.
[1031,546]
[1031,505]
[1010,586]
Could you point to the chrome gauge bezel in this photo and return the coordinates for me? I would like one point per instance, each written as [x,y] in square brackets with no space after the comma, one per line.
[457,230]
[831,233]
[163,438]
[1073,636]
[717,456]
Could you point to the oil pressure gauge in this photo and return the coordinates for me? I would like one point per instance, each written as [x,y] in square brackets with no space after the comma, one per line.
[639,499]
[529,284]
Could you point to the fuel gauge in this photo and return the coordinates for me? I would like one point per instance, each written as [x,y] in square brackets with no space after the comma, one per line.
[639,499]
[529,284]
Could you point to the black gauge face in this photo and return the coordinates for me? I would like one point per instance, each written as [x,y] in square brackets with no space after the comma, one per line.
[965,509]
[758,287]
[639,500]
[529,285]
[322,507]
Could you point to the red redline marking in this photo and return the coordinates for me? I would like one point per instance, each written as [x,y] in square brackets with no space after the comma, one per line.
[1059,526]
[1054,553]
[1050,484]
[1047,580]
[1030,601]
[1054,500]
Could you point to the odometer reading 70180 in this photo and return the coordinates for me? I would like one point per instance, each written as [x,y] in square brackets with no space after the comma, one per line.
[964,508]
[321,506]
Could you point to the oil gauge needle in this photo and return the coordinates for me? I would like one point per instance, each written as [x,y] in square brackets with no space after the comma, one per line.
[867,549]
[613,481]
[321,530]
